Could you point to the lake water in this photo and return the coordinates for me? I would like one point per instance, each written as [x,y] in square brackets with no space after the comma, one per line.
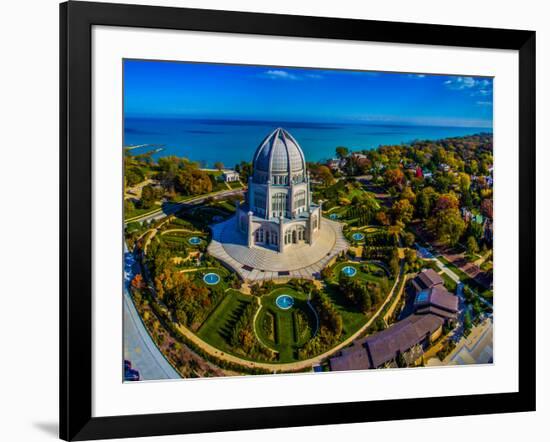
[232,141]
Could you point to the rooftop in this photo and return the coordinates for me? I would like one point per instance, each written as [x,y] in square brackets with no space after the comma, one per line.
[376,350]
[279,153]
[426,279]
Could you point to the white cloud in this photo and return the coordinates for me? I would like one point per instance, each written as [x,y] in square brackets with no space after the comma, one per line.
[281,74]
[470,83]
[278,74]
[416,75]
[314,76]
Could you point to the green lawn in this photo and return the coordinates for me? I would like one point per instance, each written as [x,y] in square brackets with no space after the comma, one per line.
[222,272]
[181,237]
[449,283]
[368,271]
[216,330]
[353,318]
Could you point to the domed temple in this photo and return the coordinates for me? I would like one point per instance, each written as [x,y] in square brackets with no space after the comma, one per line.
[278,231]
[278,212]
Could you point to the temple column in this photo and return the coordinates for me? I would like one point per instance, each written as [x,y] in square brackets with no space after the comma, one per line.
[268,200]
[281,234]
[250,232]
[310,227]
[308,191]
[290,197]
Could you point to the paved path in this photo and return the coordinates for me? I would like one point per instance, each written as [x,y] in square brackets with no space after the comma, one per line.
[139,348]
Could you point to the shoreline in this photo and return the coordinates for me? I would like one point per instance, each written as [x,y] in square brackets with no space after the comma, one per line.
[228,142]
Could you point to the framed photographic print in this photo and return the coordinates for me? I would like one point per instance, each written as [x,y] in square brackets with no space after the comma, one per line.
[272,220]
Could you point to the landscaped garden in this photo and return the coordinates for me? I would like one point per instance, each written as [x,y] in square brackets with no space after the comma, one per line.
[356,295]
[268,323]
[285,329]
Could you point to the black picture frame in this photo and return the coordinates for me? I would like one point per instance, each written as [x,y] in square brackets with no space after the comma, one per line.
[76,21]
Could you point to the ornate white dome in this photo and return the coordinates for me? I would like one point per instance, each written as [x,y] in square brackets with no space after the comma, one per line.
[279,153]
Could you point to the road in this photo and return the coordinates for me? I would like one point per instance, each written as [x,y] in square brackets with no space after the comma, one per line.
[171,208]
[139,348]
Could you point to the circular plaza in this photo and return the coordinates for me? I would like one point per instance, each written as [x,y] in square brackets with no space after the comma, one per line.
[255,263]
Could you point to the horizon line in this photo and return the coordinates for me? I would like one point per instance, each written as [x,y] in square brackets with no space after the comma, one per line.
[478,125]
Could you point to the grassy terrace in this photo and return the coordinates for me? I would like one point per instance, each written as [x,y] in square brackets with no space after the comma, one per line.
[216,329]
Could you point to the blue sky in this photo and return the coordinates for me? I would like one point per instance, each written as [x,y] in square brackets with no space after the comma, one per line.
[193,90]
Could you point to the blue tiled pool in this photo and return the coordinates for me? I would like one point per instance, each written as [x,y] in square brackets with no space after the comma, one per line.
[211,278]
[284,302]
[349,271]
[357,236]
[194,240]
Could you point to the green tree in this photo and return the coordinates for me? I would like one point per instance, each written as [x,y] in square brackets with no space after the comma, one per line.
[464,182]
[149,194]
[473,167]
[133,176]
[402,211]
[245,170]
[325,175]
[342,152]
[193,182]
[425,201]
[467,320]
[408,239]
[394,262]
[447,225]
[408,194]
[394,177]
[475,230]
[218,165]
[446,201]
[472,245]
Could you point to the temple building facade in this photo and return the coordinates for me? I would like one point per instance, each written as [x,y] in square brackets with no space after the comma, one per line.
[278,212]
